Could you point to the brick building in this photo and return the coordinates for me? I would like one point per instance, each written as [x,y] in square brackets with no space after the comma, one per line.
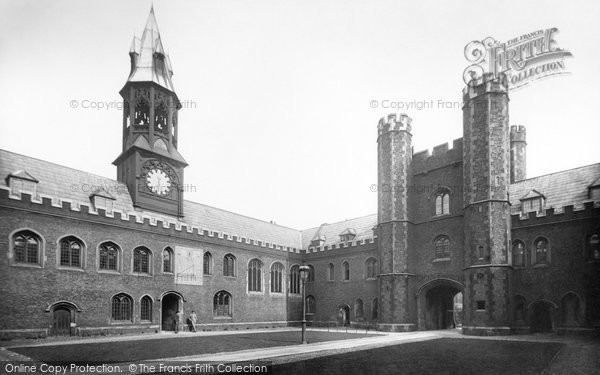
[461,236]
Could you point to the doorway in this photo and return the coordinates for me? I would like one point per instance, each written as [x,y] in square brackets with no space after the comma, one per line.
[344,315]
[541,317]
[440,305]
[170,303]
[61,321]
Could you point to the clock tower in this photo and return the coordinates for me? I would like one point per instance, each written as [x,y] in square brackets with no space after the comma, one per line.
[150,164]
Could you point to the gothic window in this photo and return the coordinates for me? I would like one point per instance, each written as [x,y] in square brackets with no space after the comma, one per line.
[295,279]
[375,309]
[442,203]
[518,254]
[229,265]
[277,278]
[371,269]
[594,247]
[359,309]
[255,276]
[346,268]
[122,308]
[311,305]
[483,253]
[542,254]
[27,247]
[167,260]
[146,309]
[207,263]
[331,272]
[109,256]
[141,260]
[70,252]
[442,247]
[311,273]
[222,303]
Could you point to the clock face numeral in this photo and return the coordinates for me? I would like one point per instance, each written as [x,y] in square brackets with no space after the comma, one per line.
[158,182]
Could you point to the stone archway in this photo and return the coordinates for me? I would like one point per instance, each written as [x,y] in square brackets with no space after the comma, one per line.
[170,303]
[440,304]
[541,316]
[62,318]
[344,315]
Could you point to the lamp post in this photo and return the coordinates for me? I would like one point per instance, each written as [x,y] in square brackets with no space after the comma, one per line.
[303,276]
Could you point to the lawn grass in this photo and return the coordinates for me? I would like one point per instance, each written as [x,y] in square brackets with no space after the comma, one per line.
[177,346]
[440,356]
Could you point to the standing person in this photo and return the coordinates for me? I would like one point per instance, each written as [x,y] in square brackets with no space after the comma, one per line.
[178,318]
[193,319]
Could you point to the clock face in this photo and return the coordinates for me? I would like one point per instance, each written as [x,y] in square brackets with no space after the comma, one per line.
[158,181]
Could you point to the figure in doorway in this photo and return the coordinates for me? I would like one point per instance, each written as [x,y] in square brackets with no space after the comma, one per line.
[193,318]
[178,320]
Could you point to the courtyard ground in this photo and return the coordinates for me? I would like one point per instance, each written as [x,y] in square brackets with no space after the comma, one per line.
[431,352]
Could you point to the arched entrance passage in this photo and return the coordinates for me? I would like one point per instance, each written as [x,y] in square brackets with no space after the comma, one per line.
[541,316]
[170,302]
[344,315]
[62,318]
[440,304]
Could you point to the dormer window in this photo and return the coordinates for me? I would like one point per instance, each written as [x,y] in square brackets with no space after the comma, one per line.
[594,191]
[534,201]
[22,182]
[102,200]
[347,235]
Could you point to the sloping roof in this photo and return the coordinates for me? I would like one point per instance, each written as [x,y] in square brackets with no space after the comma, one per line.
[532,194]
[70,184]
[145,69]
[362,225]
[560,189]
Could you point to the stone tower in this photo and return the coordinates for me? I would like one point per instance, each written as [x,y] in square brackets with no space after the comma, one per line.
[394,178]
[486,173]
[150,164]
[518,157]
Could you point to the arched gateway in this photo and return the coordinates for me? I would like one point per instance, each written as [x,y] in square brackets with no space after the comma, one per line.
[439,304]
[170,302]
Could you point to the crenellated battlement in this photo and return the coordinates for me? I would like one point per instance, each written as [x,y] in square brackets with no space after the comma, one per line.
[441,155]
[488,82]
[393,122]
[518,133]
[583,210]
[130,220]
[362,244]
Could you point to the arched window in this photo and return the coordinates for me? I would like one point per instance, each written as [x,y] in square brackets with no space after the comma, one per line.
[146,309]
[594,247]
[122,308]
[141,260]
[346,268]
[109,256]
[442,247]
[27,247]
[442,203]
[518,254]
[542,255]
[277,278]
[255,276]
[331,272]
[371,269]
[359,309]
[168,260]
[207,262]
[375,309]
[229,265]
[70,252]
[311,305]
[222,303]
[311,274]
[295,279]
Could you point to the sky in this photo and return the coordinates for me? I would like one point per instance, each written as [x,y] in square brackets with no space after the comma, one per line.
[278,121]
